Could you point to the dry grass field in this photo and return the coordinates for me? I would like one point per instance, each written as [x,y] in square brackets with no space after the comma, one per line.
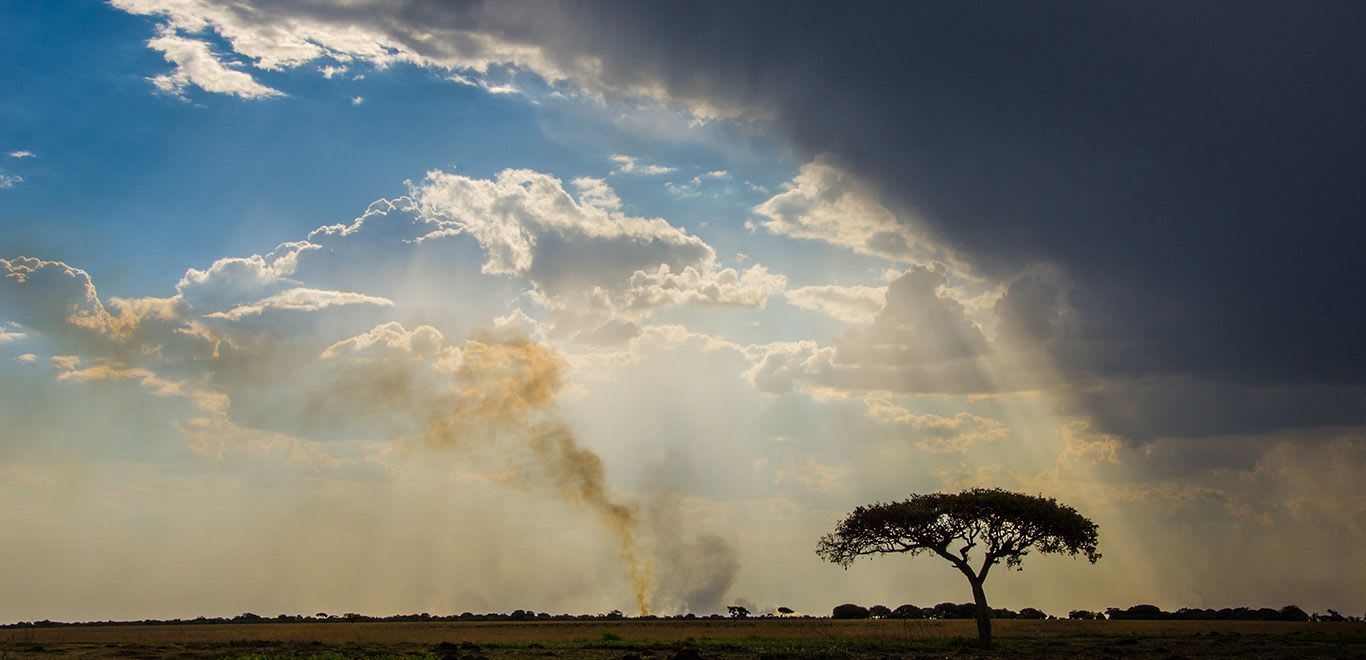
[662,640]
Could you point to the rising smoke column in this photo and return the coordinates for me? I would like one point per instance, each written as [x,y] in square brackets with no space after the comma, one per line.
[502,411]
[695,574]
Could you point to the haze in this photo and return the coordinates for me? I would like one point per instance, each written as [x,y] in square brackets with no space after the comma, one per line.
[575,307]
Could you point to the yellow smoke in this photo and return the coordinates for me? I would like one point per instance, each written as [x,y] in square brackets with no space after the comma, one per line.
[504,395]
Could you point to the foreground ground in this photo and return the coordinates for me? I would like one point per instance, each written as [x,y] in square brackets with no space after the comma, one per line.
[666,640]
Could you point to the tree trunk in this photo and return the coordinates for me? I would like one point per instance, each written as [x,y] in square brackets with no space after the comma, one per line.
[983,612]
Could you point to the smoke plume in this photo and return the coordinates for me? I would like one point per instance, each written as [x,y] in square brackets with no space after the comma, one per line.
[502,413]
[695,574]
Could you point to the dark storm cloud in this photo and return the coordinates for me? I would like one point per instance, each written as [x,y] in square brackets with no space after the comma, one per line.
[1197,171]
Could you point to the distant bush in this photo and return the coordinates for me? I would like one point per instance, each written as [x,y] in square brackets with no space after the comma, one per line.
[1293,613]
[954,611]
[1137,612]
[1085,615]
[1194,614]
[879,612]
[849,611]
[1332,615]
[907,612]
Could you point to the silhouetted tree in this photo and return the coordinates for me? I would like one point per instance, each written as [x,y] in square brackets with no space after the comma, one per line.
[785,611]
[1292,613]
[849,611]
[738,612]
[879,611]
[954,611]
[1195,613]
[1142,612]
[1005,525]
[908,611]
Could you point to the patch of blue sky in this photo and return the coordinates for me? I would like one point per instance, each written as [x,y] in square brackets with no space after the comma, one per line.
[136,185]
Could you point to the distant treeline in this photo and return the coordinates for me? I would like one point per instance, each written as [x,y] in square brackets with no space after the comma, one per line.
[1150,612]
[351,617]
[1287,613]
[845,611]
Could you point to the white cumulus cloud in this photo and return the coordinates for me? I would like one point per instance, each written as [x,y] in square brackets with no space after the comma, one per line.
[588,262]
[632,165]
[303,300]
[197,65]
[855,304]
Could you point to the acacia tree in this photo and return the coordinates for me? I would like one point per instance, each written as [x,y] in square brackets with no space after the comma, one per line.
[1005,526]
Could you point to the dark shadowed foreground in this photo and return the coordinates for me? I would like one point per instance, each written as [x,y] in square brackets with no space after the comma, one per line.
[663,640]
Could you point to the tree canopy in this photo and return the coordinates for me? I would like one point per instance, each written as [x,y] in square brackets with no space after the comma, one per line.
[1002,526]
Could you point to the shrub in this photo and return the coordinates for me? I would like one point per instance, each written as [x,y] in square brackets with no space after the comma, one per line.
[955,611]
[849,611]
[1292,613]
[908,612]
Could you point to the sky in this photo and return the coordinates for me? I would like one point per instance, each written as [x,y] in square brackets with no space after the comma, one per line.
[398,307]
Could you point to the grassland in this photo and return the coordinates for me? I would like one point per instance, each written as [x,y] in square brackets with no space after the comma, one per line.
[665,640]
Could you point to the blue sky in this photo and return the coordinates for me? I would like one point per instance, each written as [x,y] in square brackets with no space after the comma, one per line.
[120,162]
[400,290]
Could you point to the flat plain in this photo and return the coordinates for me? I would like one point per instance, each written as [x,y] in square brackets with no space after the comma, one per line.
[684,639]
